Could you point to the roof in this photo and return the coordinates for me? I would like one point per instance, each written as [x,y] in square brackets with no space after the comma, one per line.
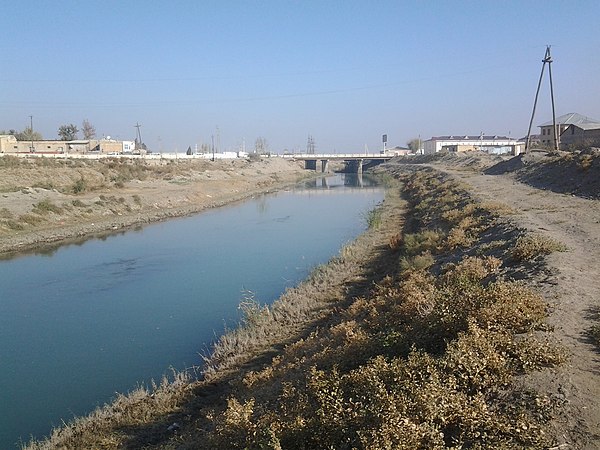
[587,125]
[573,119]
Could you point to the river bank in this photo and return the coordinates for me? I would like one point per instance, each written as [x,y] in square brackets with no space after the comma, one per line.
[416,335]
[45,202]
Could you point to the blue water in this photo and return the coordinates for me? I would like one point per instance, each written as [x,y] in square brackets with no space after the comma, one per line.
[86,321]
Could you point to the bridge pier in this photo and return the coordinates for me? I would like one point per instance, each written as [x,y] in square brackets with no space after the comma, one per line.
[324,165]
[310,164]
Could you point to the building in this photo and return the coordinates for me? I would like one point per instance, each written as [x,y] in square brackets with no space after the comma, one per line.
[397,151]
[488,144]
[10,144]
[587,134]
[562,123]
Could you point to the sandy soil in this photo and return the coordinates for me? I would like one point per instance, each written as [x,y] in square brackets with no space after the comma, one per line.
[570,281]
[38,207]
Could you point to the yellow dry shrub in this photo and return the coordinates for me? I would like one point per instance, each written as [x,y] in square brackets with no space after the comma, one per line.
[470,270]
[418,294]
[531,246]
[511,306]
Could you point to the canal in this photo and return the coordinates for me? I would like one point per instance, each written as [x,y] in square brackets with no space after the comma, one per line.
[85,321]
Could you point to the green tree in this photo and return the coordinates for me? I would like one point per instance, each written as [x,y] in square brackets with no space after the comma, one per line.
[88,130]
[68,132]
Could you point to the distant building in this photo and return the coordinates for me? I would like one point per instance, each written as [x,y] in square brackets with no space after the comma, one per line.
[397,151]
[488,144]
[10,144]
[562,123]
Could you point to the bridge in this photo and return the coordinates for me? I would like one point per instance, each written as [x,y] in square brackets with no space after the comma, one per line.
[355,161]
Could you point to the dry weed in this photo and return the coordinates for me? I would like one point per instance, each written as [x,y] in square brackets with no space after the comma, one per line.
[531,246]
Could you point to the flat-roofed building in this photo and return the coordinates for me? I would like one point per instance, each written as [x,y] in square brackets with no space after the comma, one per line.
[465,143]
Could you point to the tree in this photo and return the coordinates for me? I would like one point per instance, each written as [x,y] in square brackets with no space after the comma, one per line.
[67,132]
[25,135]
[88,130]
[414,144]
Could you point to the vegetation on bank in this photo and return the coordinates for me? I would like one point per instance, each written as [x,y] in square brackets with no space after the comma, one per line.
[85,175]
[417,344]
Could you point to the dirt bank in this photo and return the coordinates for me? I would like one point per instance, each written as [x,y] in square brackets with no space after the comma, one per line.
[47,202]
[556,194]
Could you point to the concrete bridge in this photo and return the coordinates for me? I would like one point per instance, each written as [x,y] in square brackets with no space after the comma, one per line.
[354,161]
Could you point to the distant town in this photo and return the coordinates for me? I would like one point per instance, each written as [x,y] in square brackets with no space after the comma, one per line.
[573,131]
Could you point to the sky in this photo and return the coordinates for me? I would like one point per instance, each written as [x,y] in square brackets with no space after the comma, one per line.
[343,72]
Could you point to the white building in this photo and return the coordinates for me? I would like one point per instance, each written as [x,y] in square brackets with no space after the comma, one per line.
[488,144]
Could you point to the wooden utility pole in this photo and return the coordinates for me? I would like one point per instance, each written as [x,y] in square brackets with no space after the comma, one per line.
[547,60]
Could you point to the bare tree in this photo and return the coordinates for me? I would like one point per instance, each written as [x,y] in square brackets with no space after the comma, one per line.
[88,130]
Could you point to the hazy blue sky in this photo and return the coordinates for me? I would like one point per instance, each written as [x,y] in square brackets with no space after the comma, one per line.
[344,72]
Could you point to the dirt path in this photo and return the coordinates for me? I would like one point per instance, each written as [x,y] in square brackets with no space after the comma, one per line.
[571,285]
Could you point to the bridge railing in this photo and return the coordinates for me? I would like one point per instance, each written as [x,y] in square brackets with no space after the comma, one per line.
[335,156]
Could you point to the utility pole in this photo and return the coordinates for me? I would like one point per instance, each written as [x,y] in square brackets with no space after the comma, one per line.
[138,136]
[547,60]
[31,149]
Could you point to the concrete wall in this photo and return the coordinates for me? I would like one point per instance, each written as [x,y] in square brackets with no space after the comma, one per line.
[574,135]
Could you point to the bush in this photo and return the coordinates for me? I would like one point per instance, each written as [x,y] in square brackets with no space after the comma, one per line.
[531,246]
[45,206]
[79,186]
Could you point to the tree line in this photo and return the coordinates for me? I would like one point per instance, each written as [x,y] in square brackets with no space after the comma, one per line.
[67,132]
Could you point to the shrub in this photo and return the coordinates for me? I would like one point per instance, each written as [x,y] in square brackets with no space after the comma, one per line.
[426,240]
[31,219]
[531,246]
[79,186]
[374,218]
[418,262]
[45,206]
